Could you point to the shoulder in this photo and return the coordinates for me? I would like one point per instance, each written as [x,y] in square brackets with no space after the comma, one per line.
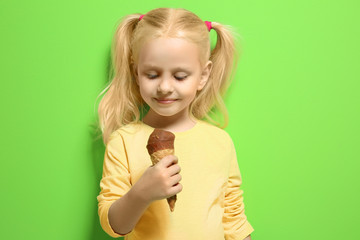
[218,142]
[129,133]
[211,131]
[128,129]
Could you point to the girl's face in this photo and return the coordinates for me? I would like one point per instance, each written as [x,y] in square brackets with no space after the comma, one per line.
[169,75]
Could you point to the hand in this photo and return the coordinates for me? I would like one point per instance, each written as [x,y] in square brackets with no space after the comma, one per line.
[160,181]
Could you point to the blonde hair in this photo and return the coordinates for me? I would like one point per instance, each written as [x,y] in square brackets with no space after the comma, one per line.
[122,104]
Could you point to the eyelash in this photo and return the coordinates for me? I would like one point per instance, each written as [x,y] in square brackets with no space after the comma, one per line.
[154,76]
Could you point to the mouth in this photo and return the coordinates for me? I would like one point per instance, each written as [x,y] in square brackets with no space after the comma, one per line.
[165,100]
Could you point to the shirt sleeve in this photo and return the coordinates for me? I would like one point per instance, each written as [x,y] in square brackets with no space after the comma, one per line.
[236,225]
[115,180]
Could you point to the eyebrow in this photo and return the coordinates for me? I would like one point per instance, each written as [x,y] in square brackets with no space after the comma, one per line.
[146,66]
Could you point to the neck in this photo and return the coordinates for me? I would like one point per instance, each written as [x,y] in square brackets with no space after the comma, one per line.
[175,123]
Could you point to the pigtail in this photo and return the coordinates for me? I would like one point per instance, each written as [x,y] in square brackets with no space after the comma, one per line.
[225,58]
[120,104]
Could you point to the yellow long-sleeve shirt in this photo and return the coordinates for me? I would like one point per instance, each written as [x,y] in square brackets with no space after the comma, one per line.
[210,206]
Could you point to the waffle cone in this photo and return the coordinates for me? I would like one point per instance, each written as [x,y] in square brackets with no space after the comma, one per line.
[158,155]
[155,158]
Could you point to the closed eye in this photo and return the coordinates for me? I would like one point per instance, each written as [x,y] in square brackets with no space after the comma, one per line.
[155,76]
[181,78]
[152,76]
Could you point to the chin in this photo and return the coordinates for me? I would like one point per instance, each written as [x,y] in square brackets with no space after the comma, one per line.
[165,113]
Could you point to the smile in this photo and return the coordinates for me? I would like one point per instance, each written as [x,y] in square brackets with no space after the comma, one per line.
[166,101]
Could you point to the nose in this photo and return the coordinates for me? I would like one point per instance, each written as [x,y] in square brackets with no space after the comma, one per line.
[165,85]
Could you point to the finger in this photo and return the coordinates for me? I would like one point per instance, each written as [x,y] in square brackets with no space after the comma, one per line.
[175,161]
[168,160]
[176,189]
[174,169]
[174,180]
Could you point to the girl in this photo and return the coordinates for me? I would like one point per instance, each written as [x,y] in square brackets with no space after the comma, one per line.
[164,69]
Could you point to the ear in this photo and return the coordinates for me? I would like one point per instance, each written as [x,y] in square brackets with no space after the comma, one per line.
[205,75]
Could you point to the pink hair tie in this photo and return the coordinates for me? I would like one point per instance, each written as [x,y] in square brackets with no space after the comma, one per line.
[141,17]
[208,24]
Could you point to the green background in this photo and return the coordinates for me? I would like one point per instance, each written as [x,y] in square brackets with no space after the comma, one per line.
[294,113]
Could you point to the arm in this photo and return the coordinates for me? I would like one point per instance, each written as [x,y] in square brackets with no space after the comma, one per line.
[236,225]
[156,183]
[121,204]
[115,184]
[125,212]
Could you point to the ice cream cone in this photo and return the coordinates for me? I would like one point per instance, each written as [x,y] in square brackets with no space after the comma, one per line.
[160,145]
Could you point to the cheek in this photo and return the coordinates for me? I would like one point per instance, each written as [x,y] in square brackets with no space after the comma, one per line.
[145,90]
[191,90]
